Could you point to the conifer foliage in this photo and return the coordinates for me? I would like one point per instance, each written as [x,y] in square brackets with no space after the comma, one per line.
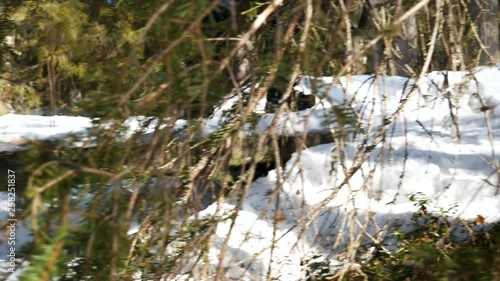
[116,205]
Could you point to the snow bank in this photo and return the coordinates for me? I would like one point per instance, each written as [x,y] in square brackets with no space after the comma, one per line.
[437,151]
[440,149]
[15,128]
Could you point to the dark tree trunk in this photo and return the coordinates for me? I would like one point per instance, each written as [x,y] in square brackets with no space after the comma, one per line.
[406,58]
[485,16]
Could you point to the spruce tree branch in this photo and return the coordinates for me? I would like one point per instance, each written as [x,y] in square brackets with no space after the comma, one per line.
[243,41]
[150,69]
[365,153]
[253,102]
[152,20]
[60,241]
[256,25]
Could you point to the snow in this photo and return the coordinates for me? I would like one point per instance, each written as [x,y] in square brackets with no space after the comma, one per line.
[252,237]
[16,128]
[450,164]
[431,151]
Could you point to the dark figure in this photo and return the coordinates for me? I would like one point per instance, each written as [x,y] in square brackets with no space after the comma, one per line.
[222,12]
[297,100]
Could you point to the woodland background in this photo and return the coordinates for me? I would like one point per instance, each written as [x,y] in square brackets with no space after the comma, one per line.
[174,59]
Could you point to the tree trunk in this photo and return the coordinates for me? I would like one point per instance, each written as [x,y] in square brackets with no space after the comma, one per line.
[52,87]
[485,16]
[406,58]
